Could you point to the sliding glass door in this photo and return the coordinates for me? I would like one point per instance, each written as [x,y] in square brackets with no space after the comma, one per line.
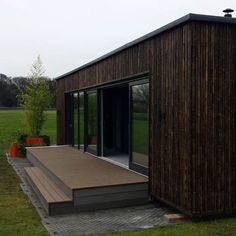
[81,120]
[117,124]
[91,121]
[75,119]
[69,118]
[139,126]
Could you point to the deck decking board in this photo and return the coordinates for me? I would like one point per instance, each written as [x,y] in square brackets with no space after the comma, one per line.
[92,183]
[40,196]
[93,172]
[106,198]
[43,184]
[56,193]
[47,196]
[48,189]
[113,189]
[35,162]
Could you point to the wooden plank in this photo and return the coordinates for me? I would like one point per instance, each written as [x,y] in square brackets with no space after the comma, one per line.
[48,189]
[48,197]
[36,162]
[79,170]
[111,197]
[109,190]
[39,194]
[51,187]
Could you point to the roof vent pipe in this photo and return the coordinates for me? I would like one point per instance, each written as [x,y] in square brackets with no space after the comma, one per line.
[227,12]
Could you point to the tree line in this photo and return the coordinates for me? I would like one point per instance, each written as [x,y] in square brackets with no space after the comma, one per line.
[11,87]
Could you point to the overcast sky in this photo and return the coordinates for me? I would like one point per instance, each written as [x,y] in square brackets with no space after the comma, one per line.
[69,33]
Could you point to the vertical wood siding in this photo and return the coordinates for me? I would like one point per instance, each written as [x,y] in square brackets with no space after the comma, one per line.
[170,119]
[192,70]
[126,63]
[213,132]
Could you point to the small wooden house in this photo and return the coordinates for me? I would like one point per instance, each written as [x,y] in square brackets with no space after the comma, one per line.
[163,105]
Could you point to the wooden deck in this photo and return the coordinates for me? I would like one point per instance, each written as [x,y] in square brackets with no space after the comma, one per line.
[71,180]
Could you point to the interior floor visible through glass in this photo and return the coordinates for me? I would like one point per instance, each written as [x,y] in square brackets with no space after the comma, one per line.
[120,159]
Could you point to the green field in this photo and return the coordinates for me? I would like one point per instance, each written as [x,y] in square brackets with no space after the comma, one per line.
[13,120]
[18,216]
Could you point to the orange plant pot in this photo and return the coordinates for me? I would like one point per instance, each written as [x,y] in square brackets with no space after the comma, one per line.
[93,139]
[14,150]
[36,140]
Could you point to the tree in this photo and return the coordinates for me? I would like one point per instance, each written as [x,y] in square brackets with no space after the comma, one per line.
[8,92]
[36,98]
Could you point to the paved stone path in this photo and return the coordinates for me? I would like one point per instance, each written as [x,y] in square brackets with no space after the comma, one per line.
[119,219]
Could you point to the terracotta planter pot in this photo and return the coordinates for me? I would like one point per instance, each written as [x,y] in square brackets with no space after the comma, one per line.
[14,150]
[35,140]
[93,139]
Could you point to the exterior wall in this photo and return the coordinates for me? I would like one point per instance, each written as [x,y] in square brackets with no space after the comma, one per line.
[170,171]
[213,119]
[192,112]
[193,143]
[127,63]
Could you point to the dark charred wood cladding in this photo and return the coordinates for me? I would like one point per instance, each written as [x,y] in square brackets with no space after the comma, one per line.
[118,67]
[192,71]
[213,119]
[193,108]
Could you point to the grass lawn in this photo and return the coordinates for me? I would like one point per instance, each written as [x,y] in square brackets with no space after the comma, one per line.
[18,216]
[13,120]
[222,227]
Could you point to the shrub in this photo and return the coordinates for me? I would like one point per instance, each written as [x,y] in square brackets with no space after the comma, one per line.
[36,98]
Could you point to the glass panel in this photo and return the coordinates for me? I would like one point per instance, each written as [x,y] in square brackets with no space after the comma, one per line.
[81,119]
[69,118]
[75,119]
[92,121]
[140,123]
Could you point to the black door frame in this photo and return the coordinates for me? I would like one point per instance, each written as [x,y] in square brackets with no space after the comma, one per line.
[73,115]
[79,102]
[99,90]
[98,144]
[68,119]
[134,166]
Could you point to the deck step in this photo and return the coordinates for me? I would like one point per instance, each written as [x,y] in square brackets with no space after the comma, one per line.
[51,196]
[89,183]
[37,163]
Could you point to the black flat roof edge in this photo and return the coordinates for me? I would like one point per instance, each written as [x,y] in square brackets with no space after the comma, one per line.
[186,18]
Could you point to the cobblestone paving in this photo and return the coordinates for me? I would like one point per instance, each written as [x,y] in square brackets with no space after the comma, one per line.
[119,219]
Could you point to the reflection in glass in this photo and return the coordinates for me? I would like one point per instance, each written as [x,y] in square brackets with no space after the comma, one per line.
[140,124]
[92,121]
[75,119]
[81,119]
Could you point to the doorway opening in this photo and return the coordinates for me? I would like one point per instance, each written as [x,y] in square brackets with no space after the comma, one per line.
[116,124]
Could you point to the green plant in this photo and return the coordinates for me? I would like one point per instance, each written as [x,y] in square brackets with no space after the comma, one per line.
[21,134]
[11,126]
[46,140]
[92,114]
[36,98]
[20,139]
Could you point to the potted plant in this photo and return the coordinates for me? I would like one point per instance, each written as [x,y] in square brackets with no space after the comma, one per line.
[14,150]
[25,140]
[34,100]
